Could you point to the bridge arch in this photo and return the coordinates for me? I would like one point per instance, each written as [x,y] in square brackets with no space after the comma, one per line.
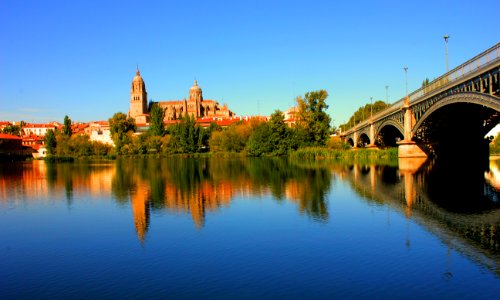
[456,125]
[469,97]
[363,140]
[388,133]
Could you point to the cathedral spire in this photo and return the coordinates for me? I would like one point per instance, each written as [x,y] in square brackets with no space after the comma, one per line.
[137,72]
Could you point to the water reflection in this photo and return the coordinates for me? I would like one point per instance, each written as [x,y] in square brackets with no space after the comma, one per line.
[37,181]
[191,186]
[453,201]
[198,186]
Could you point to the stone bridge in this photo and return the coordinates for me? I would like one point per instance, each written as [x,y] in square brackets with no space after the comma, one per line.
[451,114]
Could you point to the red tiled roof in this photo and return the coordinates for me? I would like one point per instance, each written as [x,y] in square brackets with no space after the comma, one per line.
[5,136]
[32,137]
[39,126]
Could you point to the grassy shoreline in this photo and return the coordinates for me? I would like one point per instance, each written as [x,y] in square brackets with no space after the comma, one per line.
[310,153]
[319,153]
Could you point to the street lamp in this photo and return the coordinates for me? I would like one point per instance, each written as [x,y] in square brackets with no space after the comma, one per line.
[406,79]
[371,108]
[446,37]
[387,94]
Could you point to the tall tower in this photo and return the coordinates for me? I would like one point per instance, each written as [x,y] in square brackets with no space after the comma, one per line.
[195,99]
[138,96]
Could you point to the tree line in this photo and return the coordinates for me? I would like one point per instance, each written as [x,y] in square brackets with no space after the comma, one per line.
[65,143]
[364,113]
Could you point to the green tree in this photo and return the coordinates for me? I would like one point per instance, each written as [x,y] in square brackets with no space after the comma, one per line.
[233,138]
[12,129]
[280,134]
[363,113]
[120,127]
[63,144]
[186,136]
[153,144]
[425,83]
[157,115]
[312,118]
[67,126]
[80,145]
[50,142]
[259,142]
[100,149]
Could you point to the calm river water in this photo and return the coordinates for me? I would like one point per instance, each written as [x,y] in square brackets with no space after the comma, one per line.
[248,228]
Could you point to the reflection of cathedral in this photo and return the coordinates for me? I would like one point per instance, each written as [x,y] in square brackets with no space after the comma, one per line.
[140,209]
[195,106]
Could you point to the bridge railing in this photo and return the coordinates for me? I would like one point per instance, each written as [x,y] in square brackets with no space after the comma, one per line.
[473,64]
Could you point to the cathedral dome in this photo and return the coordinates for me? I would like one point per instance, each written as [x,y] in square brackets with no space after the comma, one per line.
[195,86]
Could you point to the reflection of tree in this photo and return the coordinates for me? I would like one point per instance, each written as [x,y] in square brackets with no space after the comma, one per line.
[200,185]
[315,184]
[154,171]
[123,181]
[306,186]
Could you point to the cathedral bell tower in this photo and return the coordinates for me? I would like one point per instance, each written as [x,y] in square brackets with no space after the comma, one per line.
[195,99]
[138,96]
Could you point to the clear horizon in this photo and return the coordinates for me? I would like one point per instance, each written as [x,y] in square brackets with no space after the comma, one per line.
[78,58]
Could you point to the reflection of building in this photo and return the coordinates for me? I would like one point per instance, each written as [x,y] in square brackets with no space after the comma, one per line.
[38,180]
[140,208]
[493,176]
[195,106]
[207,197]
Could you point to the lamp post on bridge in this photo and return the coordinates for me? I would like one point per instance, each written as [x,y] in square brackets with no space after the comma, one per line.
[406,80]
[446,37]
[371,108]
[372,128]
[407,148]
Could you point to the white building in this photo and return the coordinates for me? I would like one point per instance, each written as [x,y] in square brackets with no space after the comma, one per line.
[99,131]
[39,129]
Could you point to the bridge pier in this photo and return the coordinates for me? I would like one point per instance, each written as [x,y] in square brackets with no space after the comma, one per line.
[355,139]
[372,137]
[407,147]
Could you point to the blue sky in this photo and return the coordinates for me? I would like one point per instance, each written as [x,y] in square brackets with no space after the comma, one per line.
[78,58]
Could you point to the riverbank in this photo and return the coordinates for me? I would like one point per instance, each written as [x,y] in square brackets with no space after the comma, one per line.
[319,153]
[309,153]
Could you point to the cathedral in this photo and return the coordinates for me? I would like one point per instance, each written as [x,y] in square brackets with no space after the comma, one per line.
[195,106]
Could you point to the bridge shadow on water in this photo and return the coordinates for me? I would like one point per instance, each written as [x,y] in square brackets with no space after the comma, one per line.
[456,200]
[459,185]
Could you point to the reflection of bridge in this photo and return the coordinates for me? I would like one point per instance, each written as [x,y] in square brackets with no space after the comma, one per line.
[454,110]
[473,235]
